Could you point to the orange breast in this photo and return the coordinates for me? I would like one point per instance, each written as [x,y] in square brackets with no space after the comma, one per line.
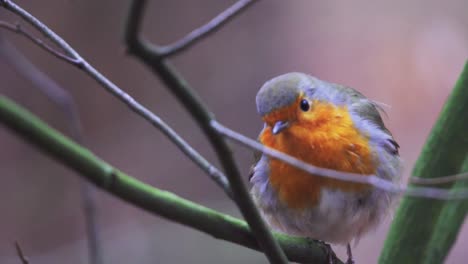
[325,137]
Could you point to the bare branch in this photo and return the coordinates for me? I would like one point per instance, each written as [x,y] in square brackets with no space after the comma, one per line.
[153,57]
[434,193]
[194,105]
[439,180]
[147,114]
[208,168]
[136,107]
[19,30]
[154,52]
[19,251]
[204,31]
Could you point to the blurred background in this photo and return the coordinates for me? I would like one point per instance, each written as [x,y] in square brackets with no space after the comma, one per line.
[404,54]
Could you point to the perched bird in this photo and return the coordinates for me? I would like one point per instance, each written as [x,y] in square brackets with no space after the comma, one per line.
[331,126]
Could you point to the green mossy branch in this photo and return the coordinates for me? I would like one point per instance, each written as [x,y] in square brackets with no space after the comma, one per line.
[415,232]
[153,200]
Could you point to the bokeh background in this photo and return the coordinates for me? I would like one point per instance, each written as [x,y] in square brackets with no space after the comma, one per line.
[406,54]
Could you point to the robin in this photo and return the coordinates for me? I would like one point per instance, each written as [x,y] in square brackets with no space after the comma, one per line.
[331,126]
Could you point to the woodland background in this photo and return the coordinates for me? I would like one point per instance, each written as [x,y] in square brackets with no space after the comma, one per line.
[404,54]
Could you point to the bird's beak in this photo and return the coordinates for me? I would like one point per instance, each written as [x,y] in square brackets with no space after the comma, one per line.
[279,126]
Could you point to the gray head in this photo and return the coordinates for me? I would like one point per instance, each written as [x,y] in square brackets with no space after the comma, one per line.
[283,90]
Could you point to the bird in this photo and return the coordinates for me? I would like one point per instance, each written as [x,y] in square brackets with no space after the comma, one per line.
[330,126]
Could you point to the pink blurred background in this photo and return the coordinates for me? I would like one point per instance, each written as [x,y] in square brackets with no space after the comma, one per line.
[404,54]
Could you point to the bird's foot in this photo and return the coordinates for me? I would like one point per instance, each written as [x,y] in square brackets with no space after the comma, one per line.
[328,251]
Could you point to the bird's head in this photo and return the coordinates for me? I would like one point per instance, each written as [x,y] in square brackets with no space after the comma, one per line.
[285,99]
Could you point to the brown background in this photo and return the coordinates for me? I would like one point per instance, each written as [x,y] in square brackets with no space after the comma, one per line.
[406,54]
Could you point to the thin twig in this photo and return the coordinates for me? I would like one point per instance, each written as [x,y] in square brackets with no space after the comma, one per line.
[439,180]
[66,104]
[204,31]
[101,80]
[9,5]
[136,107]
[217,175]
[19,251]
[194,105]
[434,193]
[19,30]
[79,61]
[31,129]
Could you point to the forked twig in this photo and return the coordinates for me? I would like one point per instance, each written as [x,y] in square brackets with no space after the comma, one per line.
[154,56]
[179,87]
[204,31]
[124,97]
[19,30]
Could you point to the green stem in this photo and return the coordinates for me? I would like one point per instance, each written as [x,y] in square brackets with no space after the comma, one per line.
[159,202]
[448,225]
[409,238]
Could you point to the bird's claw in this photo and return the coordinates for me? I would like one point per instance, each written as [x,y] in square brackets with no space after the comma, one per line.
[329,251]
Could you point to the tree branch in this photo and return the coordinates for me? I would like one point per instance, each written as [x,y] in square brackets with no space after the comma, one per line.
[154,55]
[19,30]
[160,52]
[136,107]
[204,31]
[153,200]
[425,192]
[81,63]
[439,180]
[66,104]
[194,105]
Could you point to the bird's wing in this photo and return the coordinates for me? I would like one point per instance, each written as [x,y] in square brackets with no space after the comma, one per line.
[369,110]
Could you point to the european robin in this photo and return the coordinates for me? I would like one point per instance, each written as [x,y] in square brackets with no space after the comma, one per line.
[331,126]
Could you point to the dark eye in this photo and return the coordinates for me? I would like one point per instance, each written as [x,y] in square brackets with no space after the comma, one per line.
[305,105]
